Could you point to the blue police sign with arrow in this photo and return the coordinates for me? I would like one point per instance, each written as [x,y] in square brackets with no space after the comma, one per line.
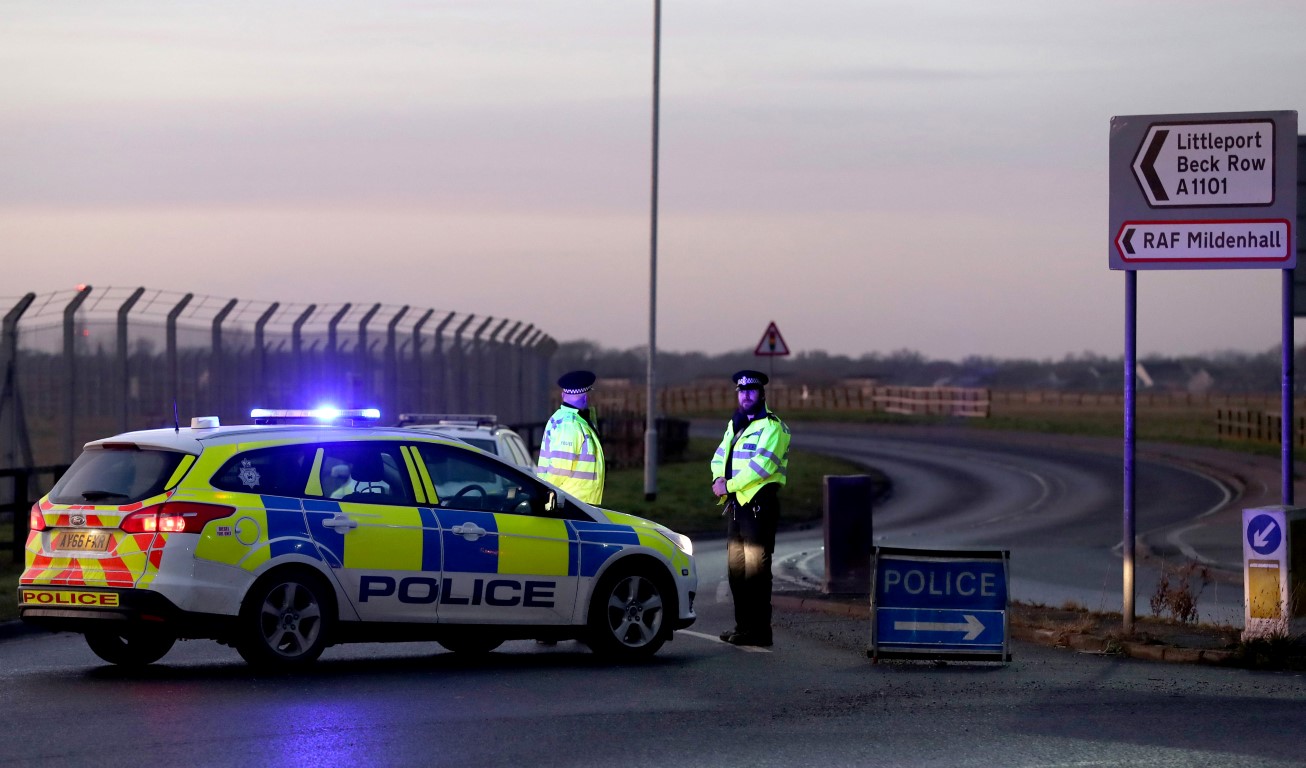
[939,604]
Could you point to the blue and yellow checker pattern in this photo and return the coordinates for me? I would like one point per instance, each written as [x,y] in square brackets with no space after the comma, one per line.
[420,539]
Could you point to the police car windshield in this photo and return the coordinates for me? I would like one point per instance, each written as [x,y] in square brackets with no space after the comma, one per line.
[485,445]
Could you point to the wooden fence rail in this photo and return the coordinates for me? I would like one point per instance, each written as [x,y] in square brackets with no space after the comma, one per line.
[1257,426]
[948,401]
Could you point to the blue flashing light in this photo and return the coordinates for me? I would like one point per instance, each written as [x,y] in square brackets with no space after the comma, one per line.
[323,414]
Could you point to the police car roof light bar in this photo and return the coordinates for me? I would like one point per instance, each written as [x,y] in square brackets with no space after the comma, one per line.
[471,419]
[324,415]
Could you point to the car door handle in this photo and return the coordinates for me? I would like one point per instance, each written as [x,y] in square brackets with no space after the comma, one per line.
[340,523]
[469,531]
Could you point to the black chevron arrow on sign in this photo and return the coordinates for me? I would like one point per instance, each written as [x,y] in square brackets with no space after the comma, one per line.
[1129,235]
[1149,160]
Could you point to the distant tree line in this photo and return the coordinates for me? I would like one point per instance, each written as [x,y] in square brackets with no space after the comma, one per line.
[1222,372]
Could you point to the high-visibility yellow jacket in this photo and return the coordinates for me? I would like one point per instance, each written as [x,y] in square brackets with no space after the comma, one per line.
[571,457]
[760,456]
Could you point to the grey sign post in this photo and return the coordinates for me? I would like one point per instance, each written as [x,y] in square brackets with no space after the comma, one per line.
[1201,191]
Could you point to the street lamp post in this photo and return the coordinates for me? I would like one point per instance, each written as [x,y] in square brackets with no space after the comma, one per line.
[651,424]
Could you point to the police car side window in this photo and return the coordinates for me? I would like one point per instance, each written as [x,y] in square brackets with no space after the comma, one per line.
[467,480]
[278,471]
[367,472]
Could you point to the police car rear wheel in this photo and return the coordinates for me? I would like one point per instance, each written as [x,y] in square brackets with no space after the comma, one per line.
[626,619]
[130,648]
[285,620]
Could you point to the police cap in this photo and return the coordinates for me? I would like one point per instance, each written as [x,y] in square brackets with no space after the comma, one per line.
[747,379]
[576,382]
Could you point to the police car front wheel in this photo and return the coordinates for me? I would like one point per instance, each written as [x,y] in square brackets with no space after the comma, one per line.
[627,616]
[130,647]
[285,620]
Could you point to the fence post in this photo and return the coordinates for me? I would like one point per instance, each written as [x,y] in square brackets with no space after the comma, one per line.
[441,383]
[391,370]
[493,369]
[456,373]
[124,372]
[218,367]
[415,390]
[518,357]
[474,345]
[297,347]
[363,361]
[70,370]
[334,372]
[260,355]
[15,435]
[174,375]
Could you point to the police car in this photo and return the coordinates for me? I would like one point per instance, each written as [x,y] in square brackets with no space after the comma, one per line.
[481,430]
[312,528]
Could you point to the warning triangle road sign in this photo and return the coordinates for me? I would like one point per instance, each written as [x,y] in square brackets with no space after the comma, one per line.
[772,343]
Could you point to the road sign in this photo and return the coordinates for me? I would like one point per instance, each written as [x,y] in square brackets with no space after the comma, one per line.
[1207,163]
[1196,241]
[1203,191]
[1264,534]
[939,604]
[1274,559]
[772,343]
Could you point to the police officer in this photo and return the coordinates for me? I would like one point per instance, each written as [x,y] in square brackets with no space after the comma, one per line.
[570,455]
[748,469]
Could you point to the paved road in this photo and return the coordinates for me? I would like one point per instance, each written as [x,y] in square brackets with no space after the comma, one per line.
[813,699]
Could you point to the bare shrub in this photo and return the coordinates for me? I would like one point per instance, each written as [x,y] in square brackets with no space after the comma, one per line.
[1175,593]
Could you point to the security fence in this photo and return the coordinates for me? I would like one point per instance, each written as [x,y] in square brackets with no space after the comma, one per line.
[88,363]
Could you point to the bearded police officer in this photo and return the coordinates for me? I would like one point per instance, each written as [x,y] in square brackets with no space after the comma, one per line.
[570,455]
[749,467]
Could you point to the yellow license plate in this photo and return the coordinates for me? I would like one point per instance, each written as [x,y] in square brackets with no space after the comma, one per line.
[82,541]
[67,597]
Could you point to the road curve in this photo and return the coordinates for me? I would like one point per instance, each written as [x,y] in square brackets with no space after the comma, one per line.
[1056,502]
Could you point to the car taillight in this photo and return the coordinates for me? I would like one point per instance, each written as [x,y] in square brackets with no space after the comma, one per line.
[36,521]
[174,517]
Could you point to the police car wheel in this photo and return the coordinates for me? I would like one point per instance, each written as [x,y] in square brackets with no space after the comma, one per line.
[285,620]
[470,644]
[627,615]
[130,648]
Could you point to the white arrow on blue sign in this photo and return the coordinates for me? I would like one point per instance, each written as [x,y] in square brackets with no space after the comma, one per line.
[1264,535]
[971,626]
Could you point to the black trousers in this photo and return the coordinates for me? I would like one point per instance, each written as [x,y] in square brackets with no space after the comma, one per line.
[750,542]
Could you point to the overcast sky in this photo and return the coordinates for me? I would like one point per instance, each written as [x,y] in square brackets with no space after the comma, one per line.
[869,175]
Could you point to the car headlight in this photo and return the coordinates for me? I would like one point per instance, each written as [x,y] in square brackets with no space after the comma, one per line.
[682,542]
